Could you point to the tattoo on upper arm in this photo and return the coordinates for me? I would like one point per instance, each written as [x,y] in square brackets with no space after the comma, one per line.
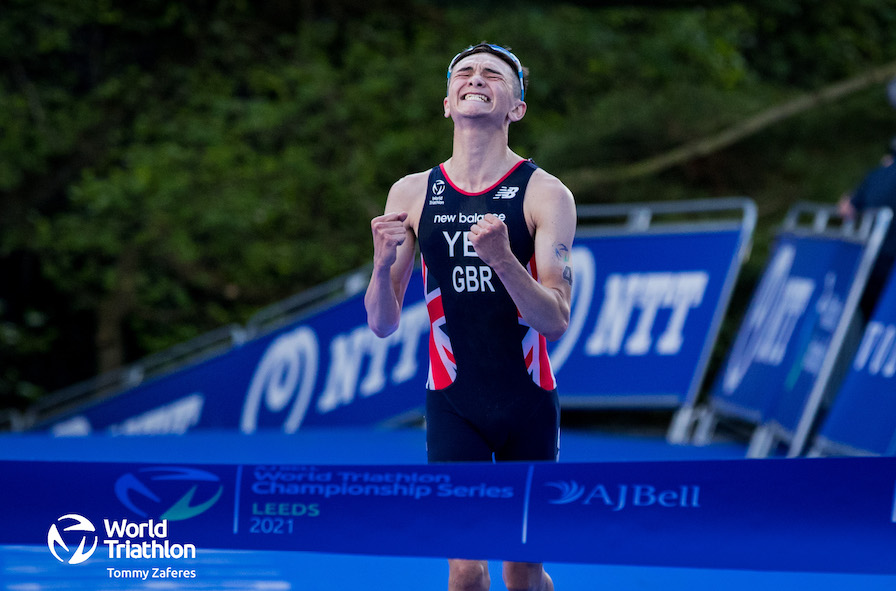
[561,251]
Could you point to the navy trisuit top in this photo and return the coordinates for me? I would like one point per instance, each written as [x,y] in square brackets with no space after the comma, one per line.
[487,367]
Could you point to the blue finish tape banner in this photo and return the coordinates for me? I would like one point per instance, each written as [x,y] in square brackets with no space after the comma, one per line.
[863,416]
[645,311]
[786,333]
[812,515]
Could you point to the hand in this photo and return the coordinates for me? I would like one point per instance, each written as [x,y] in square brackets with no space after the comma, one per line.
[845,208]
[490,239]
[389,232]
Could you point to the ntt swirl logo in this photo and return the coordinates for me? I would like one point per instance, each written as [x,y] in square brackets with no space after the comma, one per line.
[82,528]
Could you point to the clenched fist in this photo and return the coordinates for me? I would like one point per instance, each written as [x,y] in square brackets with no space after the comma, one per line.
[490,239]
[389,232]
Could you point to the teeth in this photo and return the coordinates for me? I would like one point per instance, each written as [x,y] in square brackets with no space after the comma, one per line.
[476,97]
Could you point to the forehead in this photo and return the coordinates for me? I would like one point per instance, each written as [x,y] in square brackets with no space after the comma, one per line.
[485,60]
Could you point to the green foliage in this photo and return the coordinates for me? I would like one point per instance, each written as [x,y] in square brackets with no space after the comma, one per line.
[805,43]
[168,167]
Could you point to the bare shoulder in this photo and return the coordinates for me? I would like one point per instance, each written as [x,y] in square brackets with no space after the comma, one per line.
[548,186]
[407,191]
[407,194]
[548,196]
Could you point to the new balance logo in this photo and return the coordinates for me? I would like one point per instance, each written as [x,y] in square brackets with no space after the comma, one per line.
[506,192]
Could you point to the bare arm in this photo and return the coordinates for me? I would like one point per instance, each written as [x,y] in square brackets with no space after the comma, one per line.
[543,304]
[394,243]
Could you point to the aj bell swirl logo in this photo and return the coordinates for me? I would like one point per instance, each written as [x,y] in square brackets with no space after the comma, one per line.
[83,534]
[570,492]
[169,492]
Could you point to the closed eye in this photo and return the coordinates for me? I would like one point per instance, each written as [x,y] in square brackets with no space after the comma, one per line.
[487,72]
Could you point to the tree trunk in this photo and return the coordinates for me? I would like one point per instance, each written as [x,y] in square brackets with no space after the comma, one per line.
[112,311]
[587,178]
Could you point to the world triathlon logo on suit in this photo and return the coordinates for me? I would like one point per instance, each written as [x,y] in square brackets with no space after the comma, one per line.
[618,497]
[437,192]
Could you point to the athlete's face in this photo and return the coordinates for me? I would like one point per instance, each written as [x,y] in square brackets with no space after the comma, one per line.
[483,84]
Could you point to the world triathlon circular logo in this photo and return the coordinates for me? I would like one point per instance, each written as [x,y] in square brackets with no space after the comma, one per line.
[75,530]
[172,493]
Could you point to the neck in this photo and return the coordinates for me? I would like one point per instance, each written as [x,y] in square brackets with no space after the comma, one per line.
[480,158]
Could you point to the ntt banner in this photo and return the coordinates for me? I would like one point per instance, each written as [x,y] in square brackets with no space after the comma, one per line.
[811,515]
[327,369]
[646,310]
[788,328]
[863,416]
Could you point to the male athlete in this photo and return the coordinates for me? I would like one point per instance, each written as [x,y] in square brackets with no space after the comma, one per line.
[495,233]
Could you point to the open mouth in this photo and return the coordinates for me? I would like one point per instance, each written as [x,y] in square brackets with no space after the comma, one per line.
[476,97]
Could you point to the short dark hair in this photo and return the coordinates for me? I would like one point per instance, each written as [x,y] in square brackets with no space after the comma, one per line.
[504,54]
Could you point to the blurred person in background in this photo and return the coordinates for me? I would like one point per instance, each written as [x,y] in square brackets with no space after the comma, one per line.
[877,189]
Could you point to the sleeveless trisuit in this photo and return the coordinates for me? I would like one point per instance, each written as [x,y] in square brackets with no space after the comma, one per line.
[490,388]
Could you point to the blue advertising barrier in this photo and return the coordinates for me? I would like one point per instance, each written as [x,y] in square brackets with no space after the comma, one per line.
[800,515]
[783,357]
[644,306]
[327,369]
[862,419]
[648,301]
